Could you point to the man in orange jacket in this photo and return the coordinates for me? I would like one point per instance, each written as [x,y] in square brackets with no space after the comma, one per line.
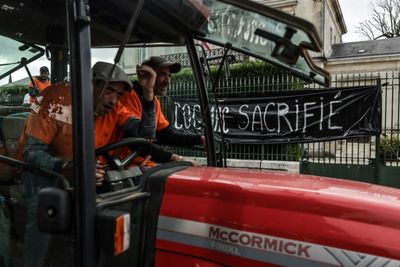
[160,69]
[39,83]
[47,138]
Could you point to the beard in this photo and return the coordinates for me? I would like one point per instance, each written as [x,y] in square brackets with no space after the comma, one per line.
[161,90]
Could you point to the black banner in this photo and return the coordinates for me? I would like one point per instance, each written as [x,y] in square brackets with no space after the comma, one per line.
[289,117]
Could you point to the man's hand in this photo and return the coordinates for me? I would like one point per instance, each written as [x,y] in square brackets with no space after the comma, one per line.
[147,78]
[33,91]
[67,171]
[145,160]
[175,157]
[100,172]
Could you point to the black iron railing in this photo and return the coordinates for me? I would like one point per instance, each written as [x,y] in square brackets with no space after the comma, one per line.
[358,151]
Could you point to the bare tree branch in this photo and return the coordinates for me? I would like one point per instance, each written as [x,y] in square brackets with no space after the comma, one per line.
[384,20]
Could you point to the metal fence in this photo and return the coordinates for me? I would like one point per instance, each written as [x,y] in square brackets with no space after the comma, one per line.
[11,99]
[359,151]
[365,151]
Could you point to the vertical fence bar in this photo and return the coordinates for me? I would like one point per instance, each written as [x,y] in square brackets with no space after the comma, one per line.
[377,146]
[398,116]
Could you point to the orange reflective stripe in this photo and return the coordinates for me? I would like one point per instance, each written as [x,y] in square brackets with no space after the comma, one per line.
[121,234]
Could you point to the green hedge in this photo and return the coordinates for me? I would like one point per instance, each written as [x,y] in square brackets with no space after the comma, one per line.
[12,95]
[390,148]
[249,78]
[18,89]
[244,69]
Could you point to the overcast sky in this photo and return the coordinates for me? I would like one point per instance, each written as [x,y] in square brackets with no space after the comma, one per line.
[354,12]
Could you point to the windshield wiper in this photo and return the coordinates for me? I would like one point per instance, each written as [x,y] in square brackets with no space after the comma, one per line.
[24,61]
[128,32]
[12,63]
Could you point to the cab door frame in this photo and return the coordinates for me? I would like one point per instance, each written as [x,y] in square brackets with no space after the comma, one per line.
[78,23]
[79,38]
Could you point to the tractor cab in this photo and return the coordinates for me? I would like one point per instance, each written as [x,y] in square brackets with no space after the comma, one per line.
[171,214]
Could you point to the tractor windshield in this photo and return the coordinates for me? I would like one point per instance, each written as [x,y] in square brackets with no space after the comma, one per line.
[14,55]
[267,34]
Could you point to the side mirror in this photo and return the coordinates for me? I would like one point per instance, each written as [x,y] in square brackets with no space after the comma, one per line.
[54,210]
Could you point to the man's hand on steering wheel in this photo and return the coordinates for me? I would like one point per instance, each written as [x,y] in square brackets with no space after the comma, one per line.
[100,172]
[113,161]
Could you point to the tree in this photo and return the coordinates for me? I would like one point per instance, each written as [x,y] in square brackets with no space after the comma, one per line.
[384,21]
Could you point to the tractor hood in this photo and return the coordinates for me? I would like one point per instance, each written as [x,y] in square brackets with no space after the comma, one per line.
[248,217]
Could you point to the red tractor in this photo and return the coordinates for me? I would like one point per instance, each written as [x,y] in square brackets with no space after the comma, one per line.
[175,214]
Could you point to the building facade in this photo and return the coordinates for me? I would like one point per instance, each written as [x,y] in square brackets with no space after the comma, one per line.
[325,15]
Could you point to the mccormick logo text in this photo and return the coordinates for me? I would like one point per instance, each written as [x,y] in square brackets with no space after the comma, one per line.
[252,240]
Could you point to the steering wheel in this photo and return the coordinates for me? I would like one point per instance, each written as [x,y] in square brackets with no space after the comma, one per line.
[114,161]
[119,176]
